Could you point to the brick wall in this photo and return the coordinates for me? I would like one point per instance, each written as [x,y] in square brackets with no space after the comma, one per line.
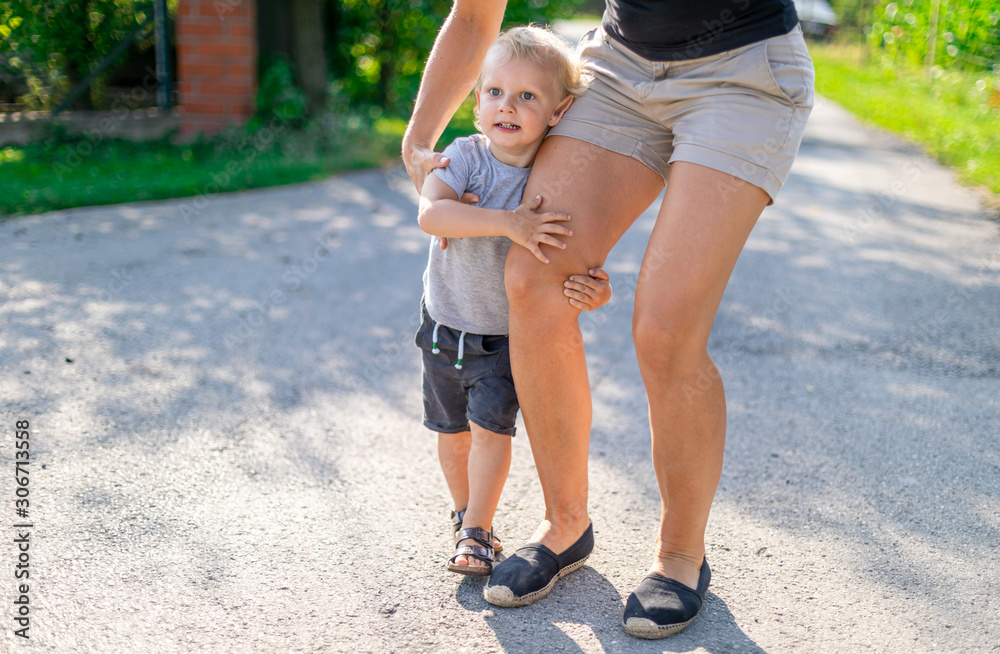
[216,63]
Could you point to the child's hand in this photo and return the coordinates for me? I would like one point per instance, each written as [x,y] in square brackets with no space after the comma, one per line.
[530,229]
[588,292]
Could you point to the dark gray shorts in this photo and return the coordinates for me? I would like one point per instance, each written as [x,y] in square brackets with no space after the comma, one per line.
[482,391]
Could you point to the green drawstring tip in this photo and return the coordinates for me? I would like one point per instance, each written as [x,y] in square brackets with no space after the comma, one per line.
[435,349]
[459,364]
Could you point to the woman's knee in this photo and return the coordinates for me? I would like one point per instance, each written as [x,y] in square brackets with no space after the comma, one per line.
[668,342]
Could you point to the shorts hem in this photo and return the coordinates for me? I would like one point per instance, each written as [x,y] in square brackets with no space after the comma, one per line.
[748,171]
[623,145]
[495,429]
[446,430]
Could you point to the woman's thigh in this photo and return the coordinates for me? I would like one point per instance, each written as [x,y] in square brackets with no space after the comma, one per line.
[603,192]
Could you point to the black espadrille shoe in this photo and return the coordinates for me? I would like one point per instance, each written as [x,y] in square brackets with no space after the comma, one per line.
[531,571]
[662,607]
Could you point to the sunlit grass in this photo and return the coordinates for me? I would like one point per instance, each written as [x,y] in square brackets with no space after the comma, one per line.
[63,171]
[954,116]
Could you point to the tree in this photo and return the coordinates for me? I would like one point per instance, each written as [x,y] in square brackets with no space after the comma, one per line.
[50,45]
[378,47]
[308,50]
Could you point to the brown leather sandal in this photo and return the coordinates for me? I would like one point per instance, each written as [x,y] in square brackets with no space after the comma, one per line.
[456,522]
[481,551]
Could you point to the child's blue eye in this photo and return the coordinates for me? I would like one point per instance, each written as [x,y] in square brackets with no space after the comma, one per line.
[494,92]
[528,95]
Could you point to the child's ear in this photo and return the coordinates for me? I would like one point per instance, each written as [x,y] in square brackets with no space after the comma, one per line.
[560,110]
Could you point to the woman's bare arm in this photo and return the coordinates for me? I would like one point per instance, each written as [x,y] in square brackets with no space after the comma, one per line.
[449,76]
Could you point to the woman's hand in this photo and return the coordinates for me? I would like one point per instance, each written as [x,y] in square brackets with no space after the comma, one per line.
[420,160]
[530,229]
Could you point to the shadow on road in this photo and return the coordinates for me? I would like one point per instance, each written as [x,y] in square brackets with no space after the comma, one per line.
[585,609]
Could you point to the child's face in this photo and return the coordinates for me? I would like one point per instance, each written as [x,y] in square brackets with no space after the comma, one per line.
[518,101]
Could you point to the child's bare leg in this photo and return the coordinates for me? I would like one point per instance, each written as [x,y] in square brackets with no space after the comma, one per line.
[489,463]
[453,453]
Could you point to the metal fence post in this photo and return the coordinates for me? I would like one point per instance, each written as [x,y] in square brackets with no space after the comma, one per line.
[164,87]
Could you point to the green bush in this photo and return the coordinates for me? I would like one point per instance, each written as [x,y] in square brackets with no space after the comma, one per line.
[966,37]
[47,46]
[279,96]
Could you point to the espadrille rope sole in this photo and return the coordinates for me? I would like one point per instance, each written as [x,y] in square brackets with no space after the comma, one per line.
[646,628]
[503,596]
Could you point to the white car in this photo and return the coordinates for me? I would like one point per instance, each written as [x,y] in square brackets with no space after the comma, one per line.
[816,17]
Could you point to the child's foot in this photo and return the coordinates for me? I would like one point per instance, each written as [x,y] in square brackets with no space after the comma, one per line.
[456,522]
[473,553]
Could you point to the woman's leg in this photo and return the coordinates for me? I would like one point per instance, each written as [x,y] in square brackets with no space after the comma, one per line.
[453,455]
[700,231]
[603,193]
[489,463]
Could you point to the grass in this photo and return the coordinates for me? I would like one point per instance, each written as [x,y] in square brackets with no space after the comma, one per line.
[62,171]
[955,116]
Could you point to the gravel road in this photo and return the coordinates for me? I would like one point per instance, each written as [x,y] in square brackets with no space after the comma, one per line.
[227,453]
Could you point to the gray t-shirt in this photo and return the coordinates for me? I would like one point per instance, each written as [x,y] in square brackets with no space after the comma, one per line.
[463,284]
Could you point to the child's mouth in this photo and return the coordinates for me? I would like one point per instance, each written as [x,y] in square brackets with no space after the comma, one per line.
[508,127]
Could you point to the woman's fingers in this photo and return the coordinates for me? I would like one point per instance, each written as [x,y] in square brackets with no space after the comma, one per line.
[420,162]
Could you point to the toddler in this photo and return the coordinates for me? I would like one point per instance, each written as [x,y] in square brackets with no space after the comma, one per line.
[529,78]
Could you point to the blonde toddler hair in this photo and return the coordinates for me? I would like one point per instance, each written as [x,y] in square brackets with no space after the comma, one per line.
[540,45]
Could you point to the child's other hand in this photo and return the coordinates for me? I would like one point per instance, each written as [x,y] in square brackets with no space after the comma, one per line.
[588,292]
[530,229]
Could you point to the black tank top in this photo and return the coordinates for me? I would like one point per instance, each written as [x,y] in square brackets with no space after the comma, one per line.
[673,30]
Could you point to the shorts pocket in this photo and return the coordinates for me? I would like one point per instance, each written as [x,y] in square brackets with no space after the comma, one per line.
[789,69]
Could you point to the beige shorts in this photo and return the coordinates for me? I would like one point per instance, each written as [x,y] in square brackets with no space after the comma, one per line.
[741,112]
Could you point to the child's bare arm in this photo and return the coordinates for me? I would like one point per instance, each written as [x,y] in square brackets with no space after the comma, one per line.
[442,215]
[588,292]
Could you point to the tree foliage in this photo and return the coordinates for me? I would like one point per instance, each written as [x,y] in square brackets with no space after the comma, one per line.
[966,35]
[379,46]
[47,46]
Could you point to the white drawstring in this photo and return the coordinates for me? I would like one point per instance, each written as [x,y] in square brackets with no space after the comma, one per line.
[461,350]
[434,338]
[461,345]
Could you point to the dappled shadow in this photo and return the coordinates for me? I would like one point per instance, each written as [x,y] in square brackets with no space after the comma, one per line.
[859,347]
[585,609]
[265,331]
